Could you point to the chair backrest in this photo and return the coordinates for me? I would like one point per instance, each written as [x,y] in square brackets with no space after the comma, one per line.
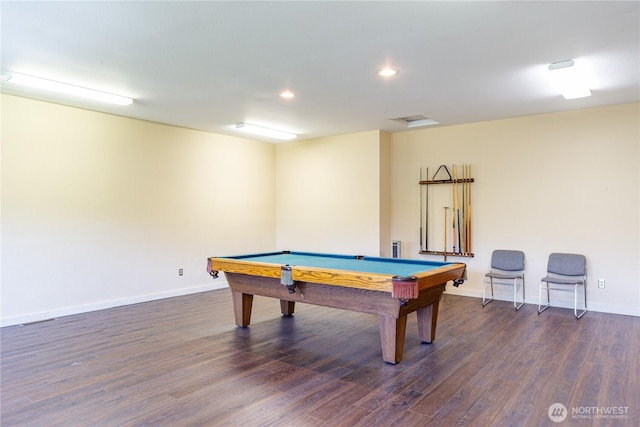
[507,260]
[567,264]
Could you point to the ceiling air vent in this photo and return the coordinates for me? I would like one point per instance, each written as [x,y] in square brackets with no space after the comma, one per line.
[415,121]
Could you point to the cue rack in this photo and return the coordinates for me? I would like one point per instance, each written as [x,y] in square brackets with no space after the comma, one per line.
[445,211]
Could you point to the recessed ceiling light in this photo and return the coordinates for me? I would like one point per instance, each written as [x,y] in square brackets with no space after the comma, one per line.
[387,72]
[287,94]
[68,89]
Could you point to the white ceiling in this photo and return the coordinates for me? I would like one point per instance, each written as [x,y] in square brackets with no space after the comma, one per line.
[209,65]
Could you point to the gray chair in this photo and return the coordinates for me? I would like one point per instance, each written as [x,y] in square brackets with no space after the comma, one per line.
[507,268]
[565,272]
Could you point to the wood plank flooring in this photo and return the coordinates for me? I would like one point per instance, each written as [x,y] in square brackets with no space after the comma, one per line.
[182,362]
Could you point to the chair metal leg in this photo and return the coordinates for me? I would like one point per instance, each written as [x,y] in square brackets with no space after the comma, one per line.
[515,293]
[540,310]
[575,302]
[484,287]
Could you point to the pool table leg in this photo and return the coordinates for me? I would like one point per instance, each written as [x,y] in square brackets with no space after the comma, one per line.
[287,307]
[426,332]
[392,332]
[242,308]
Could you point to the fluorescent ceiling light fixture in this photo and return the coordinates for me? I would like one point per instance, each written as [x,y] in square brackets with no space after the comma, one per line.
[568,80]
[263,131]
[65,88]
[387,72]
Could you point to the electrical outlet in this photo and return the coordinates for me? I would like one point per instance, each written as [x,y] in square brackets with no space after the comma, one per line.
[180,272]
[601,283]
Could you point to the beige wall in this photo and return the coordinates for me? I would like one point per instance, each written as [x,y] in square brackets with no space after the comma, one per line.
[385,194]
[564,182]
[101,210]
[328,194]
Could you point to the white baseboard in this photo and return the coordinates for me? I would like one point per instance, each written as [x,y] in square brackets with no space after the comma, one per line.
[601,308]
[101,305]
[67,311]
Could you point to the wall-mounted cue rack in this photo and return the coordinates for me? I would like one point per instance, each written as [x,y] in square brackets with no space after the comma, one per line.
[445,215]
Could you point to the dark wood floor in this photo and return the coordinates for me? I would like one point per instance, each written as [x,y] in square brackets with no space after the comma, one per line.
[182,362]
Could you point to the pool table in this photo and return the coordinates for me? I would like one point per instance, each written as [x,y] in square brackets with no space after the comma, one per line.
[390,288]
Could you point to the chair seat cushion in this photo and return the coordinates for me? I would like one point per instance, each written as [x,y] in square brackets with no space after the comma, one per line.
[495,275]
[561,281]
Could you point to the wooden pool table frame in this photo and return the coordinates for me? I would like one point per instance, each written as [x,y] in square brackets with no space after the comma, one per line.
[356,291]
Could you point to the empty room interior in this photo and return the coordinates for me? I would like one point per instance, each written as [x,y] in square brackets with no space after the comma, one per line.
[226,213]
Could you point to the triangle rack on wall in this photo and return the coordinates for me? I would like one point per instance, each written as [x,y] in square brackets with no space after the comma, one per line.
[448,181]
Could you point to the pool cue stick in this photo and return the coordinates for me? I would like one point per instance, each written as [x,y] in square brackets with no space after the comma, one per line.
[426,215]
[420,187]
[458,207]
[453,231]
[464,206]
[463,227]
[469,214]
[444,250]
[459,226]
[453,210]
[466,212]
[459,232]
[461,213]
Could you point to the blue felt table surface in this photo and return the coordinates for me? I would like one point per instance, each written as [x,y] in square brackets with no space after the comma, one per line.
[393,266]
